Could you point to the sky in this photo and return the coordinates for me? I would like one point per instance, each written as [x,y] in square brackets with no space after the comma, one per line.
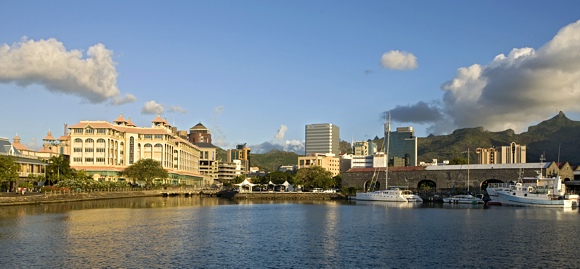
[257,72]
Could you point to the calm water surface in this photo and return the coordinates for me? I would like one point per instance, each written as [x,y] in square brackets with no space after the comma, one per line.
[218,233]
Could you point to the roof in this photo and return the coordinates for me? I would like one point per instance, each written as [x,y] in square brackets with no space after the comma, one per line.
[158,119]
[204,145]
[104,124]
[198,126]
[49,136]
[488,166]
[120,119]
[17,145]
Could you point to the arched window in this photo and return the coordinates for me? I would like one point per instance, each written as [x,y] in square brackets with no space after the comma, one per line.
[90,140]
[78,140]
[100,140]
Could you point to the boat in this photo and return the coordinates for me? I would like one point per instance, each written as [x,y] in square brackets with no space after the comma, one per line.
[544,192]
[492,190]
[387,195]
[463,199]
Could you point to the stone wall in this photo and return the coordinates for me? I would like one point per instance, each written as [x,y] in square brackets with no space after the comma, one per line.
[443,179]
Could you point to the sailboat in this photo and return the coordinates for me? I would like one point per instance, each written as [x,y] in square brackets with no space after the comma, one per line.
[464,198]
[388,195]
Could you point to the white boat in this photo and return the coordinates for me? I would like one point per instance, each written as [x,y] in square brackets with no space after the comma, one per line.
[545,192]
[492,190]
[388,195]
[463,199]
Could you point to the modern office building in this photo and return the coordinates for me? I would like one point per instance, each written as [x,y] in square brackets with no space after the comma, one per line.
[323,138]
[403,147]
[104,150]
[364,148]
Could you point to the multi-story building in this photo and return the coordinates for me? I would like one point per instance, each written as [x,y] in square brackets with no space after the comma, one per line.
[322,138]
[403,147]
[227,171]
[514,153]
[327,161]
[30,167]
[200,136]
[364,148]
[105,149]
[242,153]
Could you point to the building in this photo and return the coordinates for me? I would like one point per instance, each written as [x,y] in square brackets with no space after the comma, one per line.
[364,148]
[514,153]
[327,161]
[200,136]
[31,168]
[242,153]
[104,150]
[323,138]
[227,171]
[403,147]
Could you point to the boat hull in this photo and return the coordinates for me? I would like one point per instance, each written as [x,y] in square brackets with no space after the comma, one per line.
[534,200]
[387,196]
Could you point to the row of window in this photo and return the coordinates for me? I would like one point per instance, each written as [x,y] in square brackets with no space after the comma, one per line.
[90,150]
[88,160]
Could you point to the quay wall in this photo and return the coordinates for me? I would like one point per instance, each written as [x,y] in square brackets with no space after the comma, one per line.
[442,179]
[288,196]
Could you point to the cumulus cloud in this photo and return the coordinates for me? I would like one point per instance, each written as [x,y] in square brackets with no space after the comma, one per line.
[152,107]
[511,91]
[93,76]
[399,60]
[281,132]
[277,143]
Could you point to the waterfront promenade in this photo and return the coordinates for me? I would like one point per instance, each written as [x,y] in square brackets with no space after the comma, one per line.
[12,198]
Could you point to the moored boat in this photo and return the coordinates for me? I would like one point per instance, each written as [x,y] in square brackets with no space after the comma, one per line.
[463,199]
[545,192]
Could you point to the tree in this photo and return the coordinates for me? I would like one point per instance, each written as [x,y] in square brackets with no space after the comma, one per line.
[145,170]
[313,177]
[58,168]
[8,171]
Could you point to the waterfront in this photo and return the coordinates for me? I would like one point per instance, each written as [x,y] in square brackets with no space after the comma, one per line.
[194,232]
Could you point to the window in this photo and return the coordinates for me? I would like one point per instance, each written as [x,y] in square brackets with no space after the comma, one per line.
[78,140]
[78,150]
[147,136]
[100,149]
[100,160]
[101,131]
[78,131]
[89,150]
[90,140]
[78,160]
[100,140]
[158,136]
[89,160]
[89,131]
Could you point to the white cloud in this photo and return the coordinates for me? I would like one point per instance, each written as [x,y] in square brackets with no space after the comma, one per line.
[152,107]
[281,132]
[176,109]
[48,63]
[399,60]
[514,91]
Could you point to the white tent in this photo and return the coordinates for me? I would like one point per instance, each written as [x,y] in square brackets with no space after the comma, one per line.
[246,184]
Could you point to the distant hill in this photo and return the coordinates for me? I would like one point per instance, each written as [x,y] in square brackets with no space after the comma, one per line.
[548,137]
[270,161]
[556,134]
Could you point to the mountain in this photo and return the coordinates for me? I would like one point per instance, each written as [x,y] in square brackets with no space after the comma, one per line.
[556,135]
[270,161]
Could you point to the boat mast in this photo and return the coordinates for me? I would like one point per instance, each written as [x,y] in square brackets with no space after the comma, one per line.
[467,170]
[387,137]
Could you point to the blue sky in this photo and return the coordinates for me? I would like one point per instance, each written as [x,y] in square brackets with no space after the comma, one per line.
[257,72]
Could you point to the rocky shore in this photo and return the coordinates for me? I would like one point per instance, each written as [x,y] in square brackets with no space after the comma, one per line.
[8,199]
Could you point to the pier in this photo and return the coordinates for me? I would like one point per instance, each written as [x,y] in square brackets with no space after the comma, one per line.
[190,193]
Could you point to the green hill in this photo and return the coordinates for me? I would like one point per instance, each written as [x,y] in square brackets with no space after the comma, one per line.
[270,161]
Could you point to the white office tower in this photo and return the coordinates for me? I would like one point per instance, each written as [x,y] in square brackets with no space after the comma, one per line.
[322,138]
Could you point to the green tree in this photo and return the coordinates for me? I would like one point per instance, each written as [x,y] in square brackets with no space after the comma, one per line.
[8,171]
[313,177]
[58,168]
[145,170]
[278,177]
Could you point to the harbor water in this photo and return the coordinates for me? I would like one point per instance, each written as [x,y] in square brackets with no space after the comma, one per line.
[194,232]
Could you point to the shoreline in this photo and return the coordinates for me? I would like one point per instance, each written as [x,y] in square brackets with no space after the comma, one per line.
[13,199]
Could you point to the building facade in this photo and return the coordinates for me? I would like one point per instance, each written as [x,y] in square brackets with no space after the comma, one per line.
[364,148]
[200,136]
[403,147]
[323,138]
[105,149]
[327,161]
[514,153]
[242,153]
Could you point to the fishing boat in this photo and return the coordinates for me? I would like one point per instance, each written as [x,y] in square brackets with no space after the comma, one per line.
[544,192]
[387,195]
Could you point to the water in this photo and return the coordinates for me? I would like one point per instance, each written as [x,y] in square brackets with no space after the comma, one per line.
[218,233]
